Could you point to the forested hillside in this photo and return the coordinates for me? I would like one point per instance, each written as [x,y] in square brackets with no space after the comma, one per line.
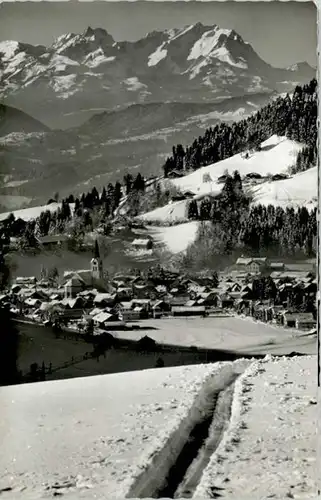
[234,226]
[294,117]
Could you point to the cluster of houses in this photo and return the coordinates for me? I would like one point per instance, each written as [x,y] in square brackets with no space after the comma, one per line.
[86,297]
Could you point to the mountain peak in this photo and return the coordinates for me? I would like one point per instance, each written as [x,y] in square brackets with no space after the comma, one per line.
[98,35]
[299,66]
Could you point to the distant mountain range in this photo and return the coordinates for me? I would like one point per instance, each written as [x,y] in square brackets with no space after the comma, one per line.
[121,105]
[83,74]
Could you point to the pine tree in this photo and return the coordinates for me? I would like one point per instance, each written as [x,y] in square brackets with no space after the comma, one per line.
[192,210]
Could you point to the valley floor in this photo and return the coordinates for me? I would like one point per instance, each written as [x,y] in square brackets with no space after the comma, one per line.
[121,435]
[235,333]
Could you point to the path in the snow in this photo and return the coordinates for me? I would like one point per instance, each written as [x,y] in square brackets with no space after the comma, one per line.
[218,425]
[193,453]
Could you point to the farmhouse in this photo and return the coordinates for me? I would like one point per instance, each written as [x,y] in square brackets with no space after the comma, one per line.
[175,174]
[142,244]
[252,175]
[305,321]
[105,320]
[73,287]
[253,265]
[53,240]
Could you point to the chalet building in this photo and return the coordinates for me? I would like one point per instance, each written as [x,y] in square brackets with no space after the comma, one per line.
[175,174]
[124,293]
[76,303]
[279,177]
[53,240]
[252,176]
[33,303]
[208,299]
[107,320]
[305,321]
[225,301]
[159,308]
[130,315]
[253,265]
[145,304]
[143,244]
[104,300]
[302,321]
[73,287]
[188,311]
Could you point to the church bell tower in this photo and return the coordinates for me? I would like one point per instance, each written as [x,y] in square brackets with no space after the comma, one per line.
[96,264]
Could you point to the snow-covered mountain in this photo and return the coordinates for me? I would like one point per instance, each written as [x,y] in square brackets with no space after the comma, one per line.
[91,71]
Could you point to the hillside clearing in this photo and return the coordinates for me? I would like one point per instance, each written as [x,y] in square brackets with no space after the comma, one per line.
[31,213]
[276,156]
[298,191]
[175,238]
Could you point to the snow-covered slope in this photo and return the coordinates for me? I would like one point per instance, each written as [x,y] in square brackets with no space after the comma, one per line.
[175,211]
[77,434]
[122,438]
[33,212]
[298,191]
[270,449]
[277,154]
[175,238]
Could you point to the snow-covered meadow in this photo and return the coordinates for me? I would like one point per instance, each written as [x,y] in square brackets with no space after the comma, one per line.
[242,335]
[276,155]
[117,436]
[33,212]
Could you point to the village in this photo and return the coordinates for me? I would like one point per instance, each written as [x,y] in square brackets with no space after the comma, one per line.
[90,302]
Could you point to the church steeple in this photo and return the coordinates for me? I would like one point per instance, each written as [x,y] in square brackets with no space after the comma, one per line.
[96,264]
[96,251]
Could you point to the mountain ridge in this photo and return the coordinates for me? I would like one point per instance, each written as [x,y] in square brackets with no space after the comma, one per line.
[196,63]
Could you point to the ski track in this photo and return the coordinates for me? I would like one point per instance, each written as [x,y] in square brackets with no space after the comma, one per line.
[153,481]
[240,408]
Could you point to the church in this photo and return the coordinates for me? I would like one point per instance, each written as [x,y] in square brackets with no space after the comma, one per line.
[84,279]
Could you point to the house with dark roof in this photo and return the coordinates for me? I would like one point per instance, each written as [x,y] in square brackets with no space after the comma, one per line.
[253,265]
[73,287]
[52,240]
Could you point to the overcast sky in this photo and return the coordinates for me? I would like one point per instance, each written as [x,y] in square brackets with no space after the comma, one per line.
[282,33]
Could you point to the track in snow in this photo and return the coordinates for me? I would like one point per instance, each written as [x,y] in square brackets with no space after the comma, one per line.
[219,421]
[183,476]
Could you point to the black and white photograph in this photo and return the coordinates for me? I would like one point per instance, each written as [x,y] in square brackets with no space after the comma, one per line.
[158,249]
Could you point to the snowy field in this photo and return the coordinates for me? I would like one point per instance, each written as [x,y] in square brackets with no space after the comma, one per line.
[33,212]
[270,449]
[51,433]
[174,238]
[128,433]
[229,333]
[277,154]
[176,211]
[298,191]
